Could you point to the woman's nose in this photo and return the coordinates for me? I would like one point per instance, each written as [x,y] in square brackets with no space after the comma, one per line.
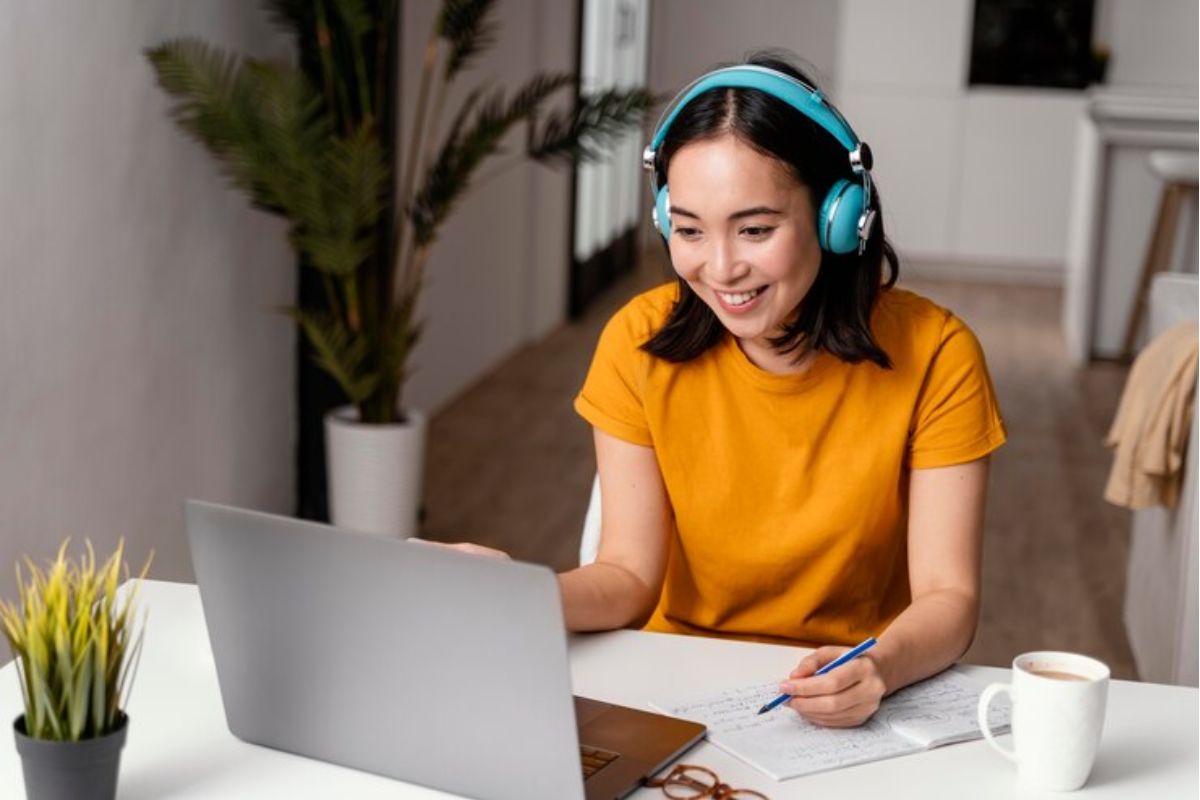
[724,265]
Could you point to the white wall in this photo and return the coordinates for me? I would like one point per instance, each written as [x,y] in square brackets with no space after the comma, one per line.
[1154,45]
[497,277]
[139,360]
[901,66]
[548,219]
[1013,187]
[689,36]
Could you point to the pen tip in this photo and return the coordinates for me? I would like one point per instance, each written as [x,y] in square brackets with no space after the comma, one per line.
[762,710]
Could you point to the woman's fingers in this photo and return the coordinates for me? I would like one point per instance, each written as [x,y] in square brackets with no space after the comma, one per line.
[832,682]
[479,550]
[467,547]
[815,660]
[862,690]
[830,703]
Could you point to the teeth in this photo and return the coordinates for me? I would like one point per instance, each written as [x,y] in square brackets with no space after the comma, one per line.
[739,299]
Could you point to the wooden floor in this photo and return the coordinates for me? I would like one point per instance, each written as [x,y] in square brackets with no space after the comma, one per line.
[510,465]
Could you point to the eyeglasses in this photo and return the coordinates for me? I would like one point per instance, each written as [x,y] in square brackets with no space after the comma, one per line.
[691,782]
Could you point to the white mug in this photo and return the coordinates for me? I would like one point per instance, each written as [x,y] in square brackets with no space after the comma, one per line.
[1058,704]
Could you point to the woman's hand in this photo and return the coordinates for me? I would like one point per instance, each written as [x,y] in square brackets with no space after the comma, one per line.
[468,547]
[841,698]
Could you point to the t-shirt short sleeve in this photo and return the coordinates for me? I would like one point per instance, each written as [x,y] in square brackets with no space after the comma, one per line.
[611,397]
[957,418]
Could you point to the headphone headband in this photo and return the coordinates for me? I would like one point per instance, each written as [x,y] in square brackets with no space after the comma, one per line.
[806,99]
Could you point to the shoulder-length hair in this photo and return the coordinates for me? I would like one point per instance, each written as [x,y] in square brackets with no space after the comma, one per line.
[835,314]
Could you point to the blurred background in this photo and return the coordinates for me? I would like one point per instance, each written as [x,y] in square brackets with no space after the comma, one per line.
[142,361]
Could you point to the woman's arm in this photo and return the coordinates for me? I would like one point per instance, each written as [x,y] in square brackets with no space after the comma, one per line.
[945,531]
[622,586]
[945,542]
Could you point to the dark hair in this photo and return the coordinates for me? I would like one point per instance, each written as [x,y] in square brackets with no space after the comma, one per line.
[835,314]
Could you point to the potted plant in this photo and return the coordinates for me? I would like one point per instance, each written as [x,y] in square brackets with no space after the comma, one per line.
[317,153]
[76,647]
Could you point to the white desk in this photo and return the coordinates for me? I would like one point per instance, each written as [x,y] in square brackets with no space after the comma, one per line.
[179,746]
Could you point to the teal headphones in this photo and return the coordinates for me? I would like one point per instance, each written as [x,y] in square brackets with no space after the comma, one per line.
[845,218]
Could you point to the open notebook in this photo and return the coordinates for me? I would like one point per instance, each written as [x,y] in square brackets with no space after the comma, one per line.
[934,712]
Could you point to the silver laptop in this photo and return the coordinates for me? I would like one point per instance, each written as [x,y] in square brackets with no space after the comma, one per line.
[411,661]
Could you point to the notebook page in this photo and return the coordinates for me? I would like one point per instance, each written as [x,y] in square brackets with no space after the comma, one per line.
[781,743]
[941,710]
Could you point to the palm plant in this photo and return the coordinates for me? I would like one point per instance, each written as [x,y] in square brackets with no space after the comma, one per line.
[316,154]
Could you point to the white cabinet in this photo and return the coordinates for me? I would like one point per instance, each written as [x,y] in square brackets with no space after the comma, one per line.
[1113,202]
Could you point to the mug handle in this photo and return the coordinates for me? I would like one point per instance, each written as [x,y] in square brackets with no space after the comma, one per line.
[985,702]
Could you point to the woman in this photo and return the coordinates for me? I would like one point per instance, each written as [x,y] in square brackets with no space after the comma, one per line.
[789,448]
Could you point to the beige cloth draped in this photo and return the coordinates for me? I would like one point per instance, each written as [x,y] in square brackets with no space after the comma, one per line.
[1150,431]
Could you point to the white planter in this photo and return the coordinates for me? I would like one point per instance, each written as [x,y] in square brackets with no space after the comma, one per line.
[375,472]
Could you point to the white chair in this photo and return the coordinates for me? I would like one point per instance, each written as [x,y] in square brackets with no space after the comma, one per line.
[589,544]
[1161,584]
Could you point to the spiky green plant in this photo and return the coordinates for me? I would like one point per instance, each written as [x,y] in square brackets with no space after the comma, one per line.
[315,155]
[74,643]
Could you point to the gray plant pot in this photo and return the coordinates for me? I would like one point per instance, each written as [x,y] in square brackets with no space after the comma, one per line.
[84,770]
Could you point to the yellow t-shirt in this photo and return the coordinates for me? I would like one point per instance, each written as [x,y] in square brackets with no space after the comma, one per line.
[790,491]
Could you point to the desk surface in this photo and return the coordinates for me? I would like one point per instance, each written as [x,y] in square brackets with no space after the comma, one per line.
[180,747]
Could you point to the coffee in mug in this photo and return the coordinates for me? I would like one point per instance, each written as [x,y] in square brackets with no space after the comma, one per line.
[1057,675]
[1058,702]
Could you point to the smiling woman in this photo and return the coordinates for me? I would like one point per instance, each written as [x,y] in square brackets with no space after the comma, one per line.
[790,449]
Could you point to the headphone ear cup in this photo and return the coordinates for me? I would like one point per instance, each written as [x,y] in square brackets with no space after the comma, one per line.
[662,212]
[837,221]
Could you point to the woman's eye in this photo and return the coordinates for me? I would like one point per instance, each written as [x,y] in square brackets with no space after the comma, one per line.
[687,233]
[757,231]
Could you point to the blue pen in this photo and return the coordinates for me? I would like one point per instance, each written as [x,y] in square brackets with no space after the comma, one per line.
[837,662]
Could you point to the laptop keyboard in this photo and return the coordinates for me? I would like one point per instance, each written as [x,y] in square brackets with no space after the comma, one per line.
[595,760]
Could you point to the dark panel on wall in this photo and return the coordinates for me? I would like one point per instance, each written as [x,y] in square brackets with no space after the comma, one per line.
[1035,43]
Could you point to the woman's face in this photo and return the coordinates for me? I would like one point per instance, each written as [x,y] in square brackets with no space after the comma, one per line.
[743,236]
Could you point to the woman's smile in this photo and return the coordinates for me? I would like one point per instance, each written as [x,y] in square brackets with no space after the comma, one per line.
[740,302]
